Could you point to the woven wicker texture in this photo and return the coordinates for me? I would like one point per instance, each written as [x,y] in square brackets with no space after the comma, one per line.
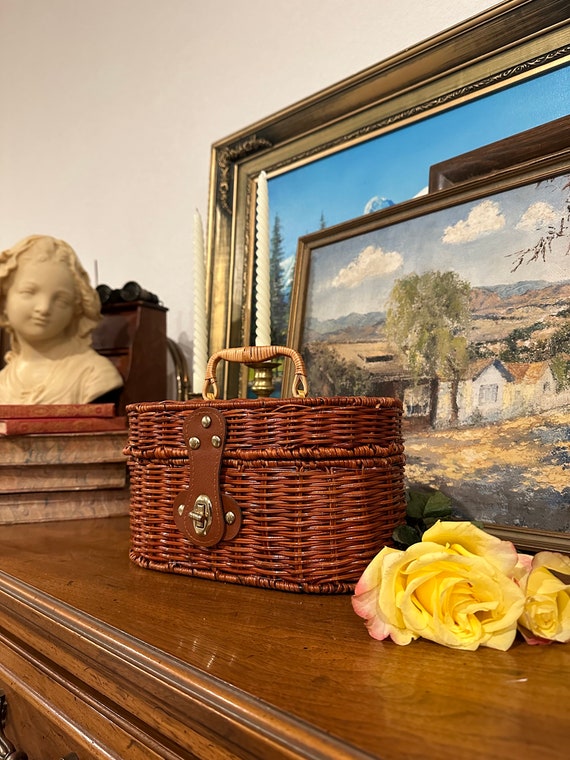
[320,482]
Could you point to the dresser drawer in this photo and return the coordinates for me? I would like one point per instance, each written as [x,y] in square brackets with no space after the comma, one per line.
[50,715]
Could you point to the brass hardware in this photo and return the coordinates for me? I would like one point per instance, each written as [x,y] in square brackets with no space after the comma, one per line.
[194,443]
[205,520]
[262,384]
[201,515]
[7,749]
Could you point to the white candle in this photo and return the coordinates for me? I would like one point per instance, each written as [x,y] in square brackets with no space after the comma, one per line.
[200,354]
[262,281]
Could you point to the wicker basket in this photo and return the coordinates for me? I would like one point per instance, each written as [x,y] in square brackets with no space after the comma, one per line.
[302,492]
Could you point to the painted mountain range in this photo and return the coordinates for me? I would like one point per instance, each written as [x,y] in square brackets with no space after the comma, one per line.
[519,304]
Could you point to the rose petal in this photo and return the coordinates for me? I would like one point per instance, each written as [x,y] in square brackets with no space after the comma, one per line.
[476,541]
[531,639]
[523,567]
[380,622]
[371,576]
[560,563]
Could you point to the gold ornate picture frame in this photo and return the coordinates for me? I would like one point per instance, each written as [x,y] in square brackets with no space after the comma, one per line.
[496,50]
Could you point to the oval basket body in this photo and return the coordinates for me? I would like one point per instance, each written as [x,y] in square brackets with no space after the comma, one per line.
[320,484]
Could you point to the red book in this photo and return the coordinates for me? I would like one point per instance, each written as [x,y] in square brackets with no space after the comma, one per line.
[19,426]
[25,411]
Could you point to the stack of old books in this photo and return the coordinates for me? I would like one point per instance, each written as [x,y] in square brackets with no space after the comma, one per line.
[61,462]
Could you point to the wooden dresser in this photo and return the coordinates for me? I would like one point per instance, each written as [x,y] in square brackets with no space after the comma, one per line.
[108,660]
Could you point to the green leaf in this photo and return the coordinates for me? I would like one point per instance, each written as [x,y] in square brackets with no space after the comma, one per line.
[438,505]
[405,535]
[416,504]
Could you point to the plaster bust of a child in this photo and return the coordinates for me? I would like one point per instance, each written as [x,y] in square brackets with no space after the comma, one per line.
[50,309]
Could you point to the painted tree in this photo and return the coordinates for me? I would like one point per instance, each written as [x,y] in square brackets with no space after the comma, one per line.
[428,318]
[279,295]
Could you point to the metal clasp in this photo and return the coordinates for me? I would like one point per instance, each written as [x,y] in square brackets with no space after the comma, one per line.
[201,515]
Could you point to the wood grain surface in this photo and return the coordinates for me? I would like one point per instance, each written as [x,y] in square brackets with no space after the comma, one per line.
[184,667]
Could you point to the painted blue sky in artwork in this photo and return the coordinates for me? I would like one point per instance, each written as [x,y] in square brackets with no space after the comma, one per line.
[395,165]
[475,239]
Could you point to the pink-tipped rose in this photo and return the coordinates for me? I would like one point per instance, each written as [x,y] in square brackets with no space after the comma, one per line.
[456,587]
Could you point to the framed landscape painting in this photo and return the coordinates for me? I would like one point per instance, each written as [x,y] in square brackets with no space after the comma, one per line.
[369,141]
[458,303]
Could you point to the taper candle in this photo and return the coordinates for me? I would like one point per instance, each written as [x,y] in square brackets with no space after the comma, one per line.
[200,353]
[262,281]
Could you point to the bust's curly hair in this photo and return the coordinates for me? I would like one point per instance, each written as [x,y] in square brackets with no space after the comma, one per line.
[87,312]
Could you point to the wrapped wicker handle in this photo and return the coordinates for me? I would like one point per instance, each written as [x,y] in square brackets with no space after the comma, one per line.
[255,355]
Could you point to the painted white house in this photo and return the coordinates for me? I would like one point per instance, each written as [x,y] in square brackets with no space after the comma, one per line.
[494,390]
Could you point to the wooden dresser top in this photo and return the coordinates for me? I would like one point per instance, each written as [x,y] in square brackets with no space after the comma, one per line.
[268,674]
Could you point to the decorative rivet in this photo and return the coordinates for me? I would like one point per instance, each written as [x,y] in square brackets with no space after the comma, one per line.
[206,421]
[216,441]
[194,442]
[230,518]
[181,509]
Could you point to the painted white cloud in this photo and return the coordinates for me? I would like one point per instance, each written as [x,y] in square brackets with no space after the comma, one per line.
[370,262]
[537,216]
[484,218]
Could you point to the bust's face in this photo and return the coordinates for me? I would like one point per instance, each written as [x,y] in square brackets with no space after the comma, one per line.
[40,301]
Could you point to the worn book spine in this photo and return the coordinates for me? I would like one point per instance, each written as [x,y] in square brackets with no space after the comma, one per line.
[46,506]
[63,448]
[25,411]
[63,477]
[18,426]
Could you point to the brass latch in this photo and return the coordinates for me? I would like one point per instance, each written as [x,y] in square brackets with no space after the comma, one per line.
[202,515]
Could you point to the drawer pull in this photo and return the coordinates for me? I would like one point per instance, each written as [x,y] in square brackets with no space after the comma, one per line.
[7,749]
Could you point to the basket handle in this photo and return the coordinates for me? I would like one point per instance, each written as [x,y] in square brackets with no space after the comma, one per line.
[255,355]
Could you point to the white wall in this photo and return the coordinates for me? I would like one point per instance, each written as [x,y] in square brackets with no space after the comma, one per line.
[109,109]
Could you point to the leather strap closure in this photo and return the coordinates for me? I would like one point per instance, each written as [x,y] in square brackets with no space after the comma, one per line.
[202,512]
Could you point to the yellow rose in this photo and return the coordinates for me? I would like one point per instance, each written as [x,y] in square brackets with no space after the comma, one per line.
[456,587]
[546,615]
